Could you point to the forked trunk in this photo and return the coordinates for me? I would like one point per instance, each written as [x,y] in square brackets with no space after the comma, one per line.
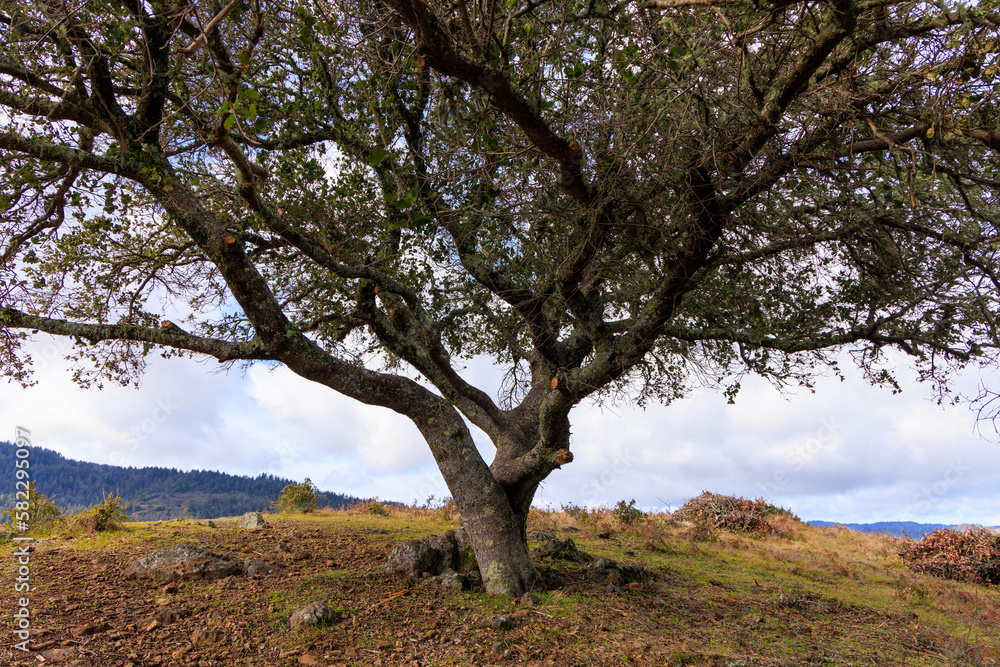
[495,529]
[493,517]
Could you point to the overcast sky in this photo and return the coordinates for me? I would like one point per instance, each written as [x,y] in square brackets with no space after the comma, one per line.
[845,453]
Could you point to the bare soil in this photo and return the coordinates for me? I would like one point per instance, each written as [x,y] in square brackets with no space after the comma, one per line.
[709,603]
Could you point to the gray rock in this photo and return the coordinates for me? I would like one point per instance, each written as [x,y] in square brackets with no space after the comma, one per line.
[251,521]
[256,566]
[608,571]
[553,547]
[314,613]
[601,568]
[449,556]
[184,561]
[474,580]
[445,548]
[411,558]
[449,579]
[501,623]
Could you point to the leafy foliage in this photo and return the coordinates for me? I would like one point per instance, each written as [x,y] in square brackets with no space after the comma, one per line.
[43,513]
[301,497]
[708,191]
[376,508]
[107,516]
[627,514]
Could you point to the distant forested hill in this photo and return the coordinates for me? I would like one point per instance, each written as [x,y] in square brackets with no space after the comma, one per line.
[153,493]
[894,528]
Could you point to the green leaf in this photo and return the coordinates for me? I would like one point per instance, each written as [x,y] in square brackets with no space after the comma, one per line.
[420,219]
[377,156]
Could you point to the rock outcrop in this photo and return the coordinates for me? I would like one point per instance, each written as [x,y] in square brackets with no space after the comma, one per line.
[251,521]
[185,561]
[447,559]
[314,613]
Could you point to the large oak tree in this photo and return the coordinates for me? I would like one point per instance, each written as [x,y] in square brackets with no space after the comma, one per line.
[610,199]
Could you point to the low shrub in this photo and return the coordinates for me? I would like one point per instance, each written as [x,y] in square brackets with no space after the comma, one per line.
[109,515]
[575,511]
[627,514]
[302,497]
[376,508]
[971,555]
[38,513]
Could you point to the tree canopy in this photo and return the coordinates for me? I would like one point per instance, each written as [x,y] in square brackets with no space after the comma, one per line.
[610,199]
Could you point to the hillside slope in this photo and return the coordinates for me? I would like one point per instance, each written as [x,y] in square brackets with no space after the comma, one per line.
[814,596]
[153,493]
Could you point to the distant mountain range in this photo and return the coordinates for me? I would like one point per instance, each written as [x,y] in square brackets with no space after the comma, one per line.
[153,493]
[899,528]
[168,493]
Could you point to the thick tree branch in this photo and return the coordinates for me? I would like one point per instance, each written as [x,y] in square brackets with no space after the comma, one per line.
[79,159]
[816,342]
[61,110]
[156,59]
[166,336]
[986,137]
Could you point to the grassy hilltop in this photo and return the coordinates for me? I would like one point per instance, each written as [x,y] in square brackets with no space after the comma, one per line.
[785,594]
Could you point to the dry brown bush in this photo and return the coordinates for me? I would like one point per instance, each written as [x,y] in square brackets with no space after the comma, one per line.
[734,514]
[972,555]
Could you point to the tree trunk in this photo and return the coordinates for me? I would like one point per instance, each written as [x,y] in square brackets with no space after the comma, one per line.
[498,541]
[493,513]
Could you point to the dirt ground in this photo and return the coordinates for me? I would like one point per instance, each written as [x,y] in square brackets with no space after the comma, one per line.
[84,611]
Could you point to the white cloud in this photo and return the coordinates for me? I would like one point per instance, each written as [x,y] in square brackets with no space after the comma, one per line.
[846,452]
